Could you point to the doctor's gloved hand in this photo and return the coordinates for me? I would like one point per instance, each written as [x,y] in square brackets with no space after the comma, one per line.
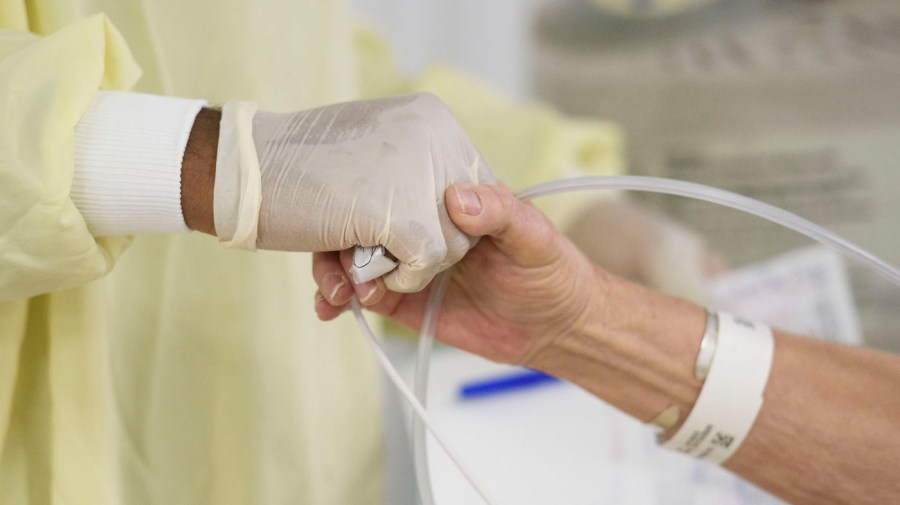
[366,173]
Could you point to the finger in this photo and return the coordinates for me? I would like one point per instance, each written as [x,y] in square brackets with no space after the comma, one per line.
[408,309]
[414,274]
[518,229]
[405,308]
[330,277]
[326,311]
[368,293]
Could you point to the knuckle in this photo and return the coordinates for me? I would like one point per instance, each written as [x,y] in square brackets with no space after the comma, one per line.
[429,102]
[433,256]
[412,133]
[408,282]
[434,111]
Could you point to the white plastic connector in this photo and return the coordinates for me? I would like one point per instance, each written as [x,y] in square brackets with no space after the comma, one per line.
[371,263]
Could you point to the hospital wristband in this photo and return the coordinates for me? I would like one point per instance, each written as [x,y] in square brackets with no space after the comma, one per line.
[732,395]
[128,153]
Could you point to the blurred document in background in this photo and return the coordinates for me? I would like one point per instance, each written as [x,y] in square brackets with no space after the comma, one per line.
[804,291]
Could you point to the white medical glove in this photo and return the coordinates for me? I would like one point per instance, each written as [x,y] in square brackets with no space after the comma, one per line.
[367,173]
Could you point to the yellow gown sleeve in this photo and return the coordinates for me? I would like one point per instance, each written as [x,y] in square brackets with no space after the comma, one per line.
[13,16]
[46,85]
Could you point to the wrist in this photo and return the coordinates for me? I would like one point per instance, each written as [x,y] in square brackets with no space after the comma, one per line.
[635,349]
[198,172]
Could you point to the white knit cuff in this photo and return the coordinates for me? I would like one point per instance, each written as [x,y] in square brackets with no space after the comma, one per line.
[128,153]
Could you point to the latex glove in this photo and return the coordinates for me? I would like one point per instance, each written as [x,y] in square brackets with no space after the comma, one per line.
[367,173]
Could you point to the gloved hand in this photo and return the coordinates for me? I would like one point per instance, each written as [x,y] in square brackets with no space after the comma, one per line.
[367,173]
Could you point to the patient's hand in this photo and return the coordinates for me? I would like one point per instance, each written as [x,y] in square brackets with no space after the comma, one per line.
[523,286]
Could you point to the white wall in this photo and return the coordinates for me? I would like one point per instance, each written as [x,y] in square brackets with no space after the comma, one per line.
[486,38]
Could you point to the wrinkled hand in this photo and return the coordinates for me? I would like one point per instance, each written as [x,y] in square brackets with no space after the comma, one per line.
[520,288]
[367,173]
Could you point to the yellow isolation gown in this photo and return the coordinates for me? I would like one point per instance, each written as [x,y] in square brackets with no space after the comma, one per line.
[165,369]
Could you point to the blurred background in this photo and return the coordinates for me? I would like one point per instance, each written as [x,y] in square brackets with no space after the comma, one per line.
[792,102]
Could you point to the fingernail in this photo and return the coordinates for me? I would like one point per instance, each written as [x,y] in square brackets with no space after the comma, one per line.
[332,284]
[469,201]
[365,291]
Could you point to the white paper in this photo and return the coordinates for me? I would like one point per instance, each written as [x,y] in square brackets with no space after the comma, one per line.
[804,291]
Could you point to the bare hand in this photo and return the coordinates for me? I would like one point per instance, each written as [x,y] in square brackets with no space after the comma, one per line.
[520,288]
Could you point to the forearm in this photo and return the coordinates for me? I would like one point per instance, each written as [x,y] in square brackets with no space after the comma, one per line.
[826,431]
[636,351]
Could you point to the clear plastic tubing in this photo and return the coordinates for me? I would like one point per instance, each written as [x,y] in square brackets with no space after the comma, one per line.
[631,183]
[721,197]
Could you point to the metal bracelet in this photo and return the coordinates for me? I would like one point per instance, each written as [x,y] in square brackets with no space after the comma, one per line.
[707,346]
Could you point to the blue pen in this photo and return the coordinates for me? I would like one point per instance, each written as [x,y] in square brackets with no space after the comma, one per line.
[505,383]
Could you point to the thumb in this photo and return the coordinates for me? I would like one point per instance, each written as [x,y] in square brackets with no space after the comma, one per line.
[518,229]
